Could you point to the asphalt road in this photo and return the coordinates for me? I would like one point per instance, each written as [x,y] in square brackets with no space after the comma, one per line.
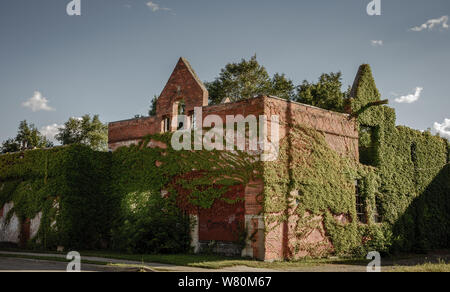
[18,264]
[60,266]
[29,265]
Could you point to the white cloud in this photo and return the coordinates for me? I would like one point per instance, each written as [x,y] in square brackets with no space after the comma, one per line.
[156,7]
[443,129]
[37,103]
[410,98]
[377,43]
[50,131]
[430,24]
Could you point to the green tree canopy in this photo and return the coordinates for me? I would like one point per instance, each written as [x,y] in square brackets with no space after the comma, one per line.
[87,131]
[247,79]
[10,146]
[282,87]
[152,109]
[326,93]
[28,137]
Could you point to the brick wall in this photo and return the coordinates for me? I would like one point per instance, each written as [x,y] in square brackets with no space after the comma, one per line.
[223,222]
[220,222]
[123,133]
[340,132]
[184,85]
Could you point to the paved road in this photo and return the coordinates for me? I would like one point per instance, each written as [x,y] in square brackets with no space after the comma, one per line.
[38,265]
[19,264]
[28,265]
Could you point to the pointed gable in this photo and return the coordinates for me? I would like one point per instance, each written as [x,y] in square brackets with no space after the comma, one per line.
[183,85]
[364,89]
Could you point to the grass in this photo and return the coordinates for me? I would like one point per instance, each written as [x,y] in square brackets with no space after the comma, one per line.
[206,261]
[220,262]
[424,268]
[173,259]
[265,265]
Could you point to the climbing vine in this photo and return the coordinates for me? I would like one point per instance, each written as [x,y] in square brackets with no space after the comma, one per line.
[130,199]
[414,182]
[186,180]
[61,186]
[403,181]
[89,199]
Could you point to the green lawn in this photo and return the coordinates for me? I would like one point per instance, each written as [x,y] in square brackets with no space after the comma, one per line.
[219,262]
[428,267]
[409,263]
[200,261]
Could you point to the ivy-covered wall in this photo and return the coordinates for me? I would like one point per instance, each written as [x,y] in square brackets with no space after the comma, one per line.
[310,199]
[126,200]
[395,199]
[139,197]
[67,187]
[184,182]
[413,193]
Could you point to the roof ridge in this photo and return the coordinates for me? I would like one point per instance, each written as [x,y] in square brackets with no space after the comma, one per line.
[191,70]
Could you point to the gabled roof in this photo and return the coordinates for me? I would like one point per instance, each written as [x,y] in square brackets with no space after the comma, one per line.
[188,65]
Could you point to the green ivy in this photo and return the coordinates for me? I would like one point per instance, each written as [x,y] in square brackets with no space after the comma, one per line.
[413,171]
[68,186]
[93,199]
[404,177]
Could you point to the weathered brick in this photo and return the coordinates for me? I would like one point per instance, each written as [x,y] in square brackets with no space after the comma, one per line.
[222,221]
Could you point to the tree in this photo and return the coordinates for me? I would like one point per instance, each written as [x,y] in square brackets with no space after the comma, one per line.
[245,80]
[282,87]
[326,93]
[152,110]
[87,131]
[28,137]
[9,146]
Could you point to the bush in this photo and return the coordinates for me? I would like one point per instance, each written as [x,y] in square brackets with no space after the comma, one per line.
[151,224]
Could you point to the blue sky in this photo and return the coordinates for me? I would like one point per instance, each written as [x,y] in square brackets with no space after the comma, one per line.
[111,60]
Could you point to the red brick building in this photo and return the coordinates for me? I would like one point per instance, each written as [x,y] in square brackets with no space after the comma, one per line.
[183,92]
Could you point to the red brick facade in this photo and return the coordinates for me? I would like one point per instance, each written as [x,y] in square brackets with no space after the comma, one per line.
[184,86]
